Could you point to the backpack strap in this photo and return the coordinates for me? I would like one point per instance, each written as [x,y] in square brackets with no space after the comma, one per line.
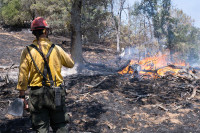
[35,63]
[50,50]
[46,65]
[45,72]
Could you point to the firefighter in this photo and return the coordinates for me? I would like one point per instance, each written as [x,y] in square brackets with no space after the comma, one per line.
[40,69]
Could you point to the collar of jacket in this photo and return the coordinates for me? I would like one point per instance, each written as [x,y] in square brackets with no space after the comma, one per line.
[46,40]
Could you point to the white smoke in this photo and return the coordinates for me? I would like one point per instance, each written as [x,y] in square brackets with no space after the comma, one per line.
[68,71]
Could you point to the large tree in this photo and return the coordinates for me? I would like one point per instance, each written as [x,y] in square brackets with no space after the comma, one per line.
[94,20]
[76,42]
[186,36]
[160,13]
[172,28]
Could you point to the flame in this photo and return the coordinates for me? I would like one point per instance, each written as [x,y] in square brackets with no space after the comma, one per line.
[154,67]
[128,69]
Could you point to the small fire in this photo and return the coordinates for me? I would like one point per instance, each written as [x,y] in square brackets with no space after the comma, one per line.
[153,67]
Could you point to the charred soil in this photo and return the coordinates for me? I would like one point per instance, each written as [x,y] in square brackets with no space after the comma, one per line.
[107,103]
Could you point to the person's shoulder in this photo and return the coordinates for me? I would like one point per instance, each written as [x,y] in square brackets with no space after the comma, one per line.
[58,47]
[25,49]
[28,47]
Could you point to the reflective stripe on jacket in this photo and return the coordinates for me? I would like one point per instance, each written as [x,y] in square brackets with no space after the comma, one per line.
[29,75]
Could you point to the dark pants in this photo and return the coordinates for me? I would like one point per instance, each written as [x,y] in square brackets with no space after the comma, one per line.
[44,113]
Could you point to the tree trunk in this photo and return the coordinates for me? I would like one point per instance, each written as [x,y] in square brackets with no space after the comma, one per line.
[129,25]
[76,42]
[119,24]
[117,21]
[118,36]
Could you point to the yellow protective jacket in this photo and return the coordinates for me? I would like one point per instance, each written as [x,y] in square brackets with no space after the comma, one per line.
[28,73]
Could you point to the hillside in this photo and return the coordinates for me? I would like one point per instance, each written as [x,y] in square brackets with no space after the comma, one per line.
[103,101]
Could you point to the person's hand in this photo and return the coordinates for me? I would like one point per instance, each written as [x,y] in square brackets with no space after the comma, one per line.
[22,96]
[25,103]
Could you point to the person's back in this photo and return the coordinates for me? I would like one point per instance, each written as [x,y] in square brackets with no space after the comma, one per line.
[41,65]
[57,59]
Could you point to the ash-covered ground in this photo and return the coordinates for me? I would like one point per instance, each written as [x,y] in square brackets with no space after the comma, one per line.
[101,102]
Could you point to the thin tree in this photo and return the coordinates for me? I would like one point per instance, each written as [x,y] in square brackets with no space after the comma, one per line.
[117,19]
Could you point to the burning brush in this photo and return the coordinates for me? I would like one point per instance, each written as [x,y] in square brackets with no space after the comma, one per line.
[155,67]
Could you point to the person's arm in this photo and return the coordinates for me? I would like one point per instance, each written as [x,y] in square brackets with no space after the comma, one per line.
[24,69]
[23,76]
[66,59]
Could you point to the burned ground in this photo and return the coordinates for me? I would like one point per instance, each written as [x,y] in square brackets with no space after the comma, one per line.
[101,102]
[120,105]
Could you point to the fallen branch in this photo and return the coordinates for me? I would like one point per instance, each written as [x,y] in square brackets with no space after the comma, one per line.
[141,96]
[9,67]
[185,78]
[193,93]
[95,86]
[178,107]
[160,106]
[124,66]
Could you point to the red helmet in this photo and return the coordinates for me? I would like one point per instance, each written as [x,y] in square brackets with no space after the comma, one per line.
[39,23]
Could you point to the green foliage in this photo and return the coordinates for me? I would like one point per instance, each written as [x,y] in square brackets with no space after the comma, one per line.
[18,12]
[56,14]
[11,12]
[159,12]
[14,12]
[171,27]
[94,16]
[186,36]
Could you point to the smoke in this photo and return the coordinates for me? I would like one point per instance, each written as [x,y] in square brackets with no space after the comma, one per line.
[135,53]
[190,58]
[68,71]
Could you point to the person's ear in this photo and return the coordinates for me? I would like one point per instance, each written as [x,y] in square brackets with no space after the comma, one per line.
[44,31]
